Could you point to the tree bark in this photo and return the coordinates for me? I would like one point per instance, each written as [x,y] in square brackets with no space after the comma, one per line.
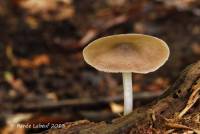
[159,116]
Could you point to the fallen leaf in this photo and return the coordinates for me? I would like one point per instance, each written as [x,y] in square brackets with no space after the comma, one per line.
[196,48]
[116,108]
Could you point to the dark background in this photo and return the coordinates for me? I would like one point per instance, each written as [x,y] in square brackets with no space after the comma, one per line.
[44,78]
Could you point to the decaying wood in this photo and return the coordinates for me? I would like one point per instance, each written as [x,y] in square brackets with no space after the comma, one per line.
[156,116]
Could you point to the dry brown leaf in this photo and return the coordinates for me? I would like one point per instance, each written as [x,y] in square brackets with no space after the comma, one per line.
[180,4]
[116,108]
[35,62]
[42,59]
[136,87]
[196,48]
[32,22]
[49,9]
[17,84]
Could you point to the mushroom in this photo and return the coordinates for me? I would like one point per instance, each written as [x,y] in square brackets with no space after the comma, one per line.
[127,54]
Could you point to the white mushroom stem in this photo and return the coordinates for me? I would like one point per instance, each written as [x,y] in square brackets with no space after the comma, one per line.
[128,92]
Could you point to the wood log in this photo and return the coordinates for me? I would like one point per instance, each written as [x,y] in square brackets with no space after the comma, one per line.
[157,117]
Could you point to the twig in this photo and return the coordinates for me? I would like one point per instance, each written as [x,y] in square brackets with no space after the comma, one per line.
[82,102]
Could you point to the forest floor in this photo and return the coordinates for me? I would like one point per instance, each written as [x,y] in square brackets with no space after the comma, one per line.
[44,78]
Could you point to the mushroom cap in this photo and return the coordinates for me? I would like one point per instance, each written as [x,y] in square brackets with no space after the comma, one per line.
[135,53]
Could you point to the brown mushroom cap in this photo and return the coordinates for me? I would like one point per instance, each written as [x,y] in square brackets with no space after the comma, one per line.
[136,53]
